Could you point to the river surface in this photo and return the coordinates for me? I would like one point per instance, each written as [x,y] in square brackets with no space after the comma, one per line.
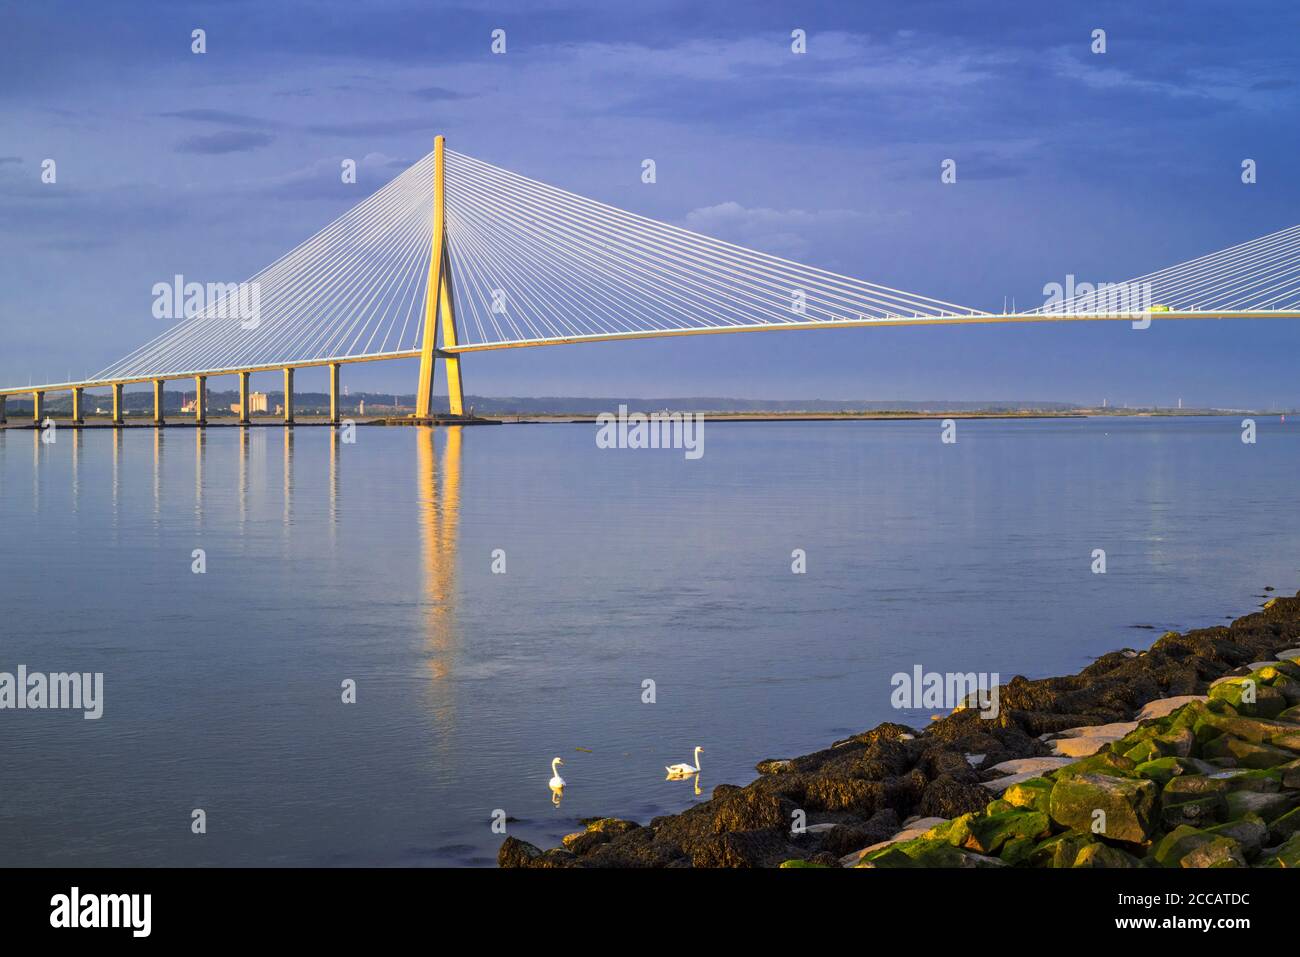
[501,595]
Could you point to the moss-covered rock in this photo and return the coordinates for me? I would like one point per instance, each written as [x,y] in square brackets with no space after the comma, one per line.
[798,863]
[1162,770]
[1218,851]
[1122,809]
[1250,832]
[1288,855]
[1061,850]
[1035,794]
[1103,855]
[988,833]
[1246,754]
[1171,848]
[1267,806]
[1281,828]
[1197,812]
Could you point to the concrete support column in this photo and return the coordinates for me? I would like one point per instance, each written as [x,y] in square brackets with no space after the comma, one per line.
[334,393]
[3,419]
[288,396]
[38,407]
[76,405]
[200,400]
[158,402]
[243,398]
[117,404]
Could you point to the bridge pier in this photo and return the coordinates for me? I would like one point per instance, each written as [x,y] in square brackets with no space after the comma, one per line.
[243,398]
[3,419]
[288,396]
[38,406]
[158,402]
[117,403]
[200,400]
[334,393]
[76,405]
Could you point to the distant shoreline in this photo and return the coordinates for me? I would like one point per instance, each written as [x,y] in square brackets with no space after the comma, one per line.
[582,418]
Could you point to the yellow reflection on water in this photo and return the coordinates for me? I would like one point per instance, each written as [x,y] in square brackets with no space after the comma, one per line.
[439,504]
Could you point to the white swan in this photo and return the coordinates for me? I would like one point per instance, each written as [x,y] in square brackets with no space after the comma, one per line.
[684,769]
[556,780]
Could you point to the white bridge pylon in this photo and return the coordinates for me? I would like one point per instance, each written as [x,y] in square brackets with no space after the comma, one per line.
[530,264]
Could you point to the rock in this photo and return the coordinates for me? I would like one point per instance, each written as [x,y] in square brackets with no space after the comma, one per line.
[1196,812]
[1162,770]
[1288,654]
[1163,707]
[946,797]
[1288,855]
[1114,731]
[1283,827]
[1086,741]
[1219,851]
[1034,793]
[1250,832]
[975,760]
[1171,848]
[1291,774]
[1060,851]
[1031,765]
[1129,805]
[987,833]
[1103,855]
[914,829]
[1245,754]
[745,849]
[1266,806]
[929,854]
[1210,725]
[517,853]
[847,836]
[798,862]
[1268,701]
[774,766]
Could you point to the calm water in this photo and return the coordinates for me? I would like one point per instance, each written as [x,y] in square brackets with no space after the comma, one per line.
[373,561]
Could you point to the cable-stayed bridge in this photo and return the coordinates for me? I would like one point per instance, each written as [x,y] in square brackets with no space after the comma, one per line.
[456,256]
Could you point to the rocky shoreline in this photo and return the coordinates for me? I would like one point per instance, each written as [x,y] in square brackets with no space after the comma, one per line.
[1183,755]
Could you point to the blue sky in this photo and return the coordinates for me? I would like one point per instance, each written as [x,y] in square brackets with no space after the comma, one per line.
[1104,166]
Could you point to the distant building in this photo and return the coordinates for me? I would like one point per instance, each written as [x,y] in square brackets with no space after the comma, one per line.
[259,402]
[362,410]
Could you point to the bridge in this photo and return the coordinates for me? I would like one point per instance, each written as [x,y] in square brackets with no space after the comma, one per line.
[456,256]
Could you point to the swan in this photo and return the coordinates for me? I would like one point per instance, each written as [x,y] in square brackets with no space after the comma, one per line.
[683,769]
[556,780]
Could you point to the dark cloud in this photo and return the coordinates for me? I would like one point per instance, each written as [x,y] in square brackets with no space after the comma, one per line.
[437,94]
[222,117]
[227,141]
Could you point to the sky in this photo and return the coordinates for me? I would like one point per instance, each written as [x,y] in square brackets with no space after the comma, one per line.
[1102,166]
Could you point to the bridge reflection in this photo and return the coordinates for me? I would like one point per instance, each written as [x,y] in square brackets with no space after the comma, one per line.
[439,505]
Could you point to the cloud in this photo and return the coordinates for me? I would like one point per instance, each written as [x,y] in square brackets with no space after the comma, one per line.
[437,93]
[222,117]
[227,141]
[781,232]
